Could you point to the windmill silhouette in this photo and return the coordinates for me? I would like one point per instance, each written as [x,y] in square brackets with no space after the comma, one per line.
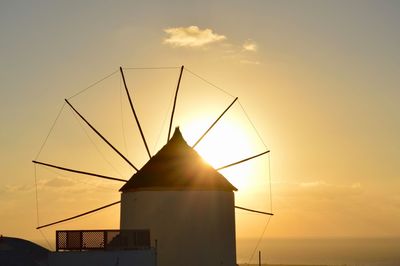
[176,167]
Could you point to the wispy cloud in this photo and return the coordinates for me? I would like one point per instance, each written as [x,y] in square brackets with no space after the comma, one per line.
[195,37]
[250,46]
[59,182]
[16,188]
[322,189]
[250,62]
[191,36]
[313,184]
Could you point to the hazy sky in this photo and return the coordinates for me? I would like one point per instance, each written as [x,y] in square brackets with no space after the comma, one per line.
[319,79]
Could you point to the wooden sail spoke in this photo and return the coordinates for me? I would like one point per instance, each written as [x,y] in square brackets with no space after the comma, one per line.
[79,215]
[134,113]
[251,210]
[79,171]
[213,124]
[242,161]
[101,136]
[173,108]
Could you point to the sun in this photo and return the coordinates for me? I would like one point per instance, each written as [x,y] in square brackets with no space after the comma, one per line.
[226,143]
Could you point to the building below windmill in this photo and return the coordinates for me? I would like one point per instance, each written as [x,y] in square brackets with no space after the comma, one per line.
[20,252]
[175,211]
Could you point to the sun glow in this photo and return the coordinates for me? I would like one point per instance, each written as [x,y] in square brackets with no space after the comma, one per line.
[223,145]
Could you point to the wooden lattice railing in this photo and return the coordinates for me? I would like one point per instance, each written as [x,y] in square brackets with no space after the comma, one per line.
[102,239]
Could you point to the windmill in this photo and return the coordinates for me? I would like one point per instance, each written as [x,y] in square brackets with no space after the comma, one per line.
[186,204]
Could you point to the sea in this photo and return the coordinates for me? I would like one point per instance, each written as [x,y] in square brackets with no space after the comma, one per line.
[320,251]
[316,251]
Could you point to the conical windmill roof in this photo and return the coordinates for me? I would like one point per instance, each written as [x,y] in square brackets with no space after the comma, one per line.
[177,166]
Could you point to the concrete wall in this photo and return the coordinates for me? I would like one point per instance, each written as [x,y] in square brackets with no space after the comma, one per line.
[194,228]
[103,258]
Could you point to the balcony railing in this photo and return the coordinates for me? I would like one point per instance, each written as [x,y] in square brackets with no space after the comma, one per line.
[102,239]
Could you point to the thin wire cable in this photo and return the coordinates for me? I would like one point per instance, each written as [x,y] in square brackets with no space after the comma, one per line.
[95,146]
[93,84]
[270,186]
[51,130]
[164,122]
[270,181]
[269,218]
[209,83]
[144,68]
[36,194]
[252,124]
[45,238]
[259,240]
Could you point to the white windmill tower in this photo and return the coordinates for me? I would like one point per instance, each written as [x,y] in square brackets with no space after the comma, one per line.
[186,205]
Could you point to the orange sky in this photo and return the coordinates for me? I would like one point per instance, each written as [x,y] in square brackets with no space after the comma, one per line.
[318,80]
